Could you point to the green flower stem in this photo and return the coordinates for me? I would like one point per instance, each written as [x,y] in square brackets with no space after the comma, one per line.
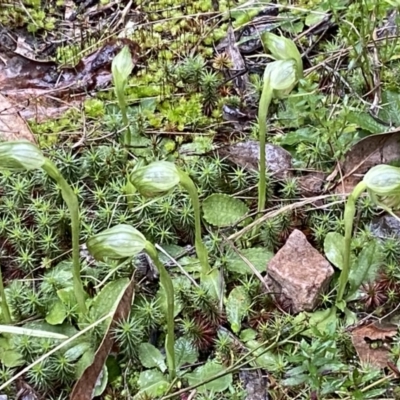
[349,213]
[166,282]
[201,250]
[122,105]
[265,101]
[72,203]
[4,305]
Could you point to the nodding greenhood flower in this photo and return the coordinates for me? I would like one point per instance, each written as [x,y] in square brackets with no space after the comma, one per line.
[21,155]
[121,67]
[118,242]
[283,49]
[282,76]
[124,241]
[383,185]
[155,179]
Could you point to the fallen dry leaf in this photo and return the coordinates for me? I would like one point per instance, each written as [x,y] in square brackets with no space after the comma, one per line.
[84,387]
[12,125]
[241,82]
[372,343]
[44,91]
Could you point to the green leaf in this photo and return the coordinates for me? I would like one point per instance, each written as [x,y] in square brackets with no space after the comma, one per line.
[75,352]
[151,357]
[248,334]
[151,383]
[366,266]
[207,371]
[113,368]
[237,307]
[60,276]
[57,313]
[295,380]
[84,362]
[314,18]
[105,301]
[324,320]
[185,352]
[9,356]
[223,210]
[350,317]
[390,108]
[301,135]
[265,359]
[101,383]
[334,249]
[67,296]
[21,330]
[64,329]
[212,283]
[257,256]
[366,122]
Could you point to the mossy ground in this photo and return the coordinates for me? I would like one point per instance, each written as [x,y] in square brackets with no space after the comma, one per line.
[176,96]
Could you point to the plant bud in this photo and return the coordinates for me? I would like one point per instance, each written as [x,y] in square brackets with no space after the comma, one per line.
[283,49]
[155,179]
[383,180]
[282,76]
[122,66]
[20,155]
[120,241]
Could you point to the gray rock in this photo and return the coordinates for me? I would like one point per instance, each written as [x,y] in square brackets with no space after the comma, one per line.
[299,273]
[255,383]
[247,155]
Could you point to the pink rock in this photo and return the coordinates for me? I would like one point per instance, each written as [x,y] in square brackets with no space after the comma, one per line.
[299,273]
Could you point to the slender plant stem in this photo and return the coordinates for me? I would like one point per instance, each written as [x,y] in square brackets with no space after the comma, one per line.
[265,101]
[73,207]
[4,305]
[349,213]
[166,281]
[122,105]
[201,250]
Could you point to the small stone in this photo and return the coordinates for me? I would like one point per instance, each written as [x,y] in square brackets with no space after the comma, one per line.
[247,155]
[299,273]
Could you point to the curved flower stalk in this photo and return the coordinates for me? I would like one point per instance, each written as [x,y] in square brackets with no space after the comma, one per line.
[280,77]
[23,155]
[124,241]
[160,177]
[383,186]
